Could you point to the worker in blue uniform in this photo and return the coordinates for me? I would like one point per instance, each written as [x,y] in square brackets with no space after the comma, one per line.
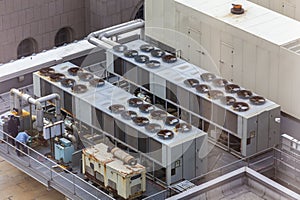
[21,141]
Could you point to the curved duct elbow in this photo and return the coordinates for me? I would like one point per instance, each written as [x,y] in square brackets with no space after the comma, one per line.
[136,24]
[125,157]
[98,37]
[71,137]
[56,97]
[16,95]
[103,31]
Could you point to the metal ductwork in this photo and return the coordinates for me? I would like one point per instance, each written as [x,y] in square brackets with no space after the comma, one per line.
[17,96]
[101,38]
[125,157]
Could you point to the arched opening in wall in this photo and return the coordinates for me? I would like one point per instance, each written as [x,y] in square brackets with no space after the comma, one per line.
[27,47]
[63,36]
[139,14]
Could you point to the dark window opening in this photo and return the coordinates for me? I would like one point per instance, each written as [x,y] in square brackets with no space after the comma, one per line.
[92,166]
[63,36]
[140,13]
[173,171]
[235,143]
[26,48]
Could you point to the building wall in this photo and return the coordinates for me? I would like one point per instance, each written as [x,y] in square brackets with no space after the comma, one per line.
[105,13]
[42,19]
[290,8]
[38,19]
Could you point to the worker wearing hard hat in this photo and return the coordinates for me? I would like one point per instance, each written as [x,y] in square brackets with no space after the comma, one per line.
[21,141]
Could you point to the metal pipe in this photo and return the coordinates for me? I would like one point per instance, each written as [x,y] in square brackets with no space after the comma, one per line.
[12,101]
[97,33]
[108,41]
[71,137]
[56,97]
[103,35]
[124,29]
[39,119]
[125,157]
[48,97]
[99,43]
[38,104]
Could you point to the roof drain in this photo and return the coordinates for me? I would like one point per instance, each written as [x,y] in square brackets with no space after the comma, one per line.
[237,9]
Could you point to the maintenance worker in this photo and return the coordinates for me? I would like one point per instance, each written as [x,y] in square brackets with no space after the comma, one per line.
[13,128]
[21,141]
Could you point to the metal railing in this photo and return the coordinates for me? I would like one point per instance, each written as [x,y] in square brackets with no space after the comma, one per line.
[4,98]
[43,170]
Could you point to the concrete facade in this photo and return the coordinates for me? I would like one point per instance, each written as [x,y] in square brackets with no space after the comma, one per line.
[42,19]
[105,13]
[15,184]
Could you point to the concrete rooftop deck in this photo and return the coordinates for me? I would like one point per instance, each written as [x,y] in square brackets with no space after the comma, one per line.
[15,185]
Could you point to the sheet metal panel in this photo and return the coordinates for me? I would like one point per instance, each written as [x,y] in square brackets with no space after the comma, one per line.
[188,159]
[262,130]
[170,76]
[177,72]
[102,98]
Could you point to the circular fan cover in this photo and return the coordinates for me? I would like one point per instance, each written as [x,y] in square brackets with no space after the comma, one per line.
[57,77]
[165,134]
[191,82]
[68,82]
[135,102]
[207,77]
[146,108]
[240,106]
[47,71]
[202,88]
[79,88]
[171,121]
[128,114]
[73,71]
[152,64]
[116,108]
[232,88]
[146,48]
[130,53]
[159,114]
[153,127]
[96,82]
[228,100]
[244,94]
[140,121]
[157,53]
[215,94]
[169,58]
[85,76]
[141,58]
[183,127]
[257,100]
[219,82]
[120,48]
